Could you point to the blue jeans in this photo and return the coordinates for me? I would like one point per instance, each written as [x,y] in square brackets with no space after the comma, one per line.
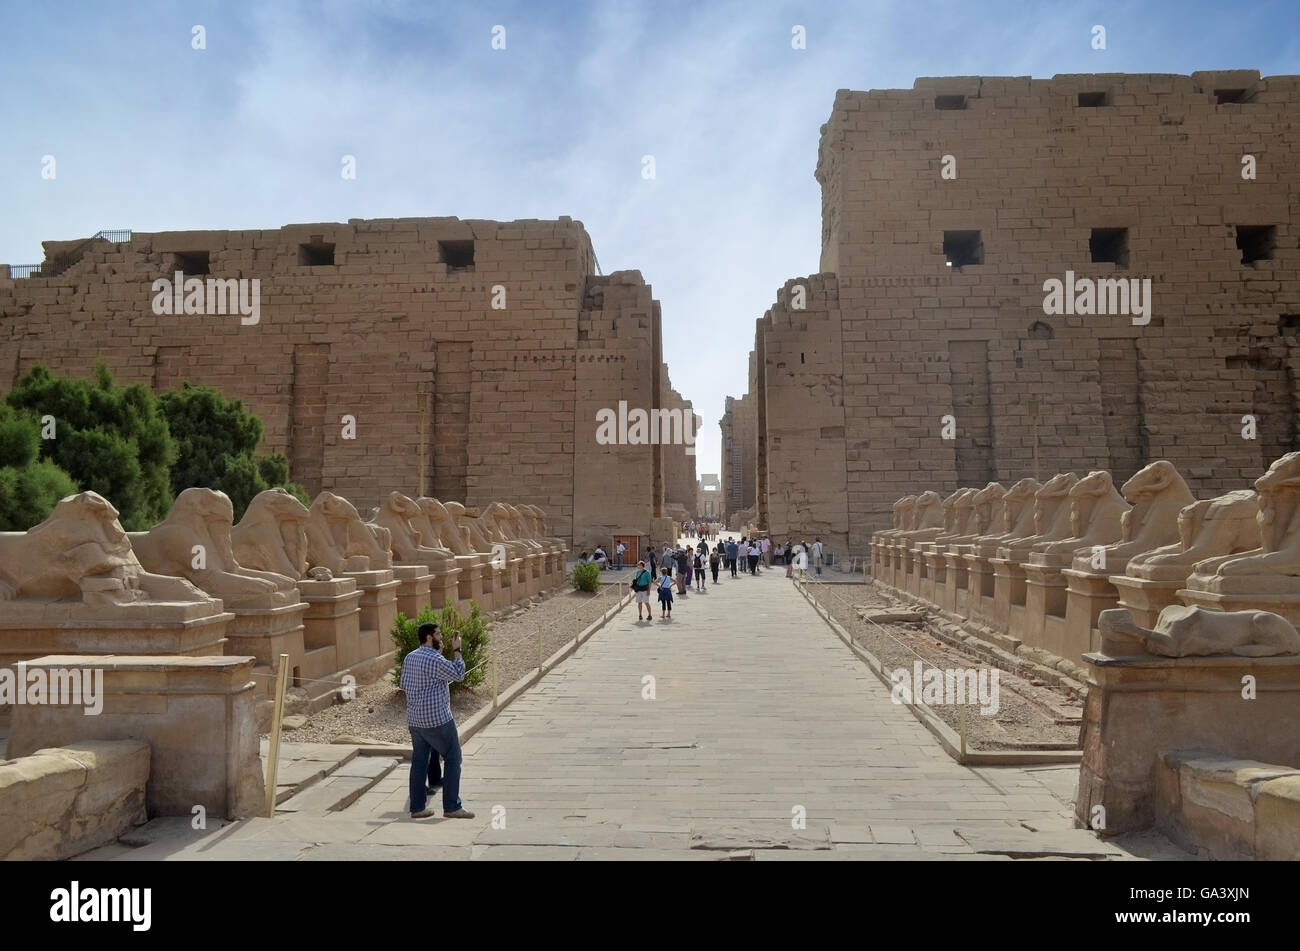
[620,561]
[445,741]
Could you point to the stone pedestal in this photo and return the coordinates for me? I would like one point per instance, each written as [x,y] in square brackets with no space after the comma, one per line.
[413,582]
[444,589]
[331,626]
[469,582]
[956,595]
[1287,605]
[1138,707]
[1087,595]
[35,628]
[265,634]
[534,581]
[981,587]
[196,714]
[493,585]
[378,610]
[933,575]
[1145,599]
[1009,593]
[913,570]
[1045,591]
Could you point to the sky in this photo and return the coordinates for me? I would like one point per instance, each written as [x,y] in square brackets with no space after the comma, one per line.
[151,134]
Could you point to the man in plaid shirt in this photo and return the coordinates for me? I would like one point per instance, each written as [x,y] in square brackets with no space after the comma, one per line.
[425,678]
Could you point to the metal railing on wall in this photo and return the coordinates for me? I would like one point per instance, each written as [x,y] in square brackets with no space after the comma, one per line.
[64,261]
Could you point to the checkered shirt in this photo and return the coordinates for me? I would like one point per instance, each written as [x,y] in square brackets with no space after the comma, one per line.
[425,676]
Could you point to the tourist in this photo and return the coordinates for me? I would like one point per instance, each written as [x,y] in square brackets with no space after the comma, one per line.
[600,558]
[767,552]
[683,563]
[714,563]
[698,566]
[754,554]
[817,555]
[733,552]
[666,595]
[619,551]
[426,675]
[650,559]
[641,587]
[583,558]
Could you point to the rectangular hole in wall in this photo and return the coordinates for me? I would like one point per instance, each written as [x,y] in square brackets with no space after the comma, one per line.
[1256,243]
[315,254]
[456,254]
[1224,96]
[1109,245]
[950,102]
[1093,100]
[191,263]
[963,248]
[1288,325]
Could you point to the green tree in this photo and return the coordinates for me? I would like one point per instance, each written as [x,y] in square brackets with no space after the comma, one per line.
[216,439]
[108,439]
[29,487]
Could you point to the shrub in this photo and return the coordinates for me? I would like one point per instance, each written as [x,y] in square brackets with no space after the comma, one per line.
[472,628]
[586,577]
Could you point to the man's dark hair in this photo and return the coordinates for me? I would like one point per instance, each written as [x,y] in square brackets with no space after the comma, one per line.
[426,630]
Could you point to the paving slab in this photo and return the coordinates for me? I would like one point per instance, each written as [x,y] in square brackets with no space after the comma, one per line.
[702,738]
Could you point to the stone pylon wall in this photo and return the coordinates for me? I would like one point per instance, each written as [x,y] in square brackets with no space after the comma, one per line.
[1037,169]
[801,408]
[451,396]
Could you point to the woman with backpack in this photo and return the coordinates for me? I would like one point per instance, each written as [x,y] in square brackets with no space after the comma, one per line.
[641,587]
[666,595]
[699,570]
[715,561]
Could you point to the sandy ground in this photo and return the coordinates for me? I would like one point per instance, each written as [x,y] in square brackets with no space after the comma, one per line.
[379,712]
[1028,709]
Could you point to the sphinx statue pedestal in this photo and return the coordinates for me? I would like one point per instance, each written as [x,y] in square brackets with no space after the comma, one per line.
[378,611]
[1042,623]
[1009,594]
[265,633]
[1287,605]
[32,628]
[980,586]
[196,714]
[444,588]
[1088,593]
[1145,598]
[331,628]
[930,585]
[534,564]
[413,584]
[469,582]
[1138,707]
[956,596]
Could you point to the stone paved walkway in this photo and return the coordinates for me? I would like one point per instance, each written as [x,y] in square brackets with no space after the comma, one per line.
[760,714]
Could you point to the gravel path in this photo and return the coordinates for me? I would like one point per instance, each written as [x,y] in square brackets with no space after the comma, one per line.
[1023,720]
[379,712]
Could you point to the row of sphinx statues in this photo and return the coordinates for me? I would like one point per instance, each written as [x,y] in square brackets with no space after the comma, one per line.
[1243,546]
[81,552]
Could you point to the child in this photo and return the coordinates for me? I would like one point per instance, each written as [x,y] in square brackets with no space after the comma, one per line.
[666,595]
